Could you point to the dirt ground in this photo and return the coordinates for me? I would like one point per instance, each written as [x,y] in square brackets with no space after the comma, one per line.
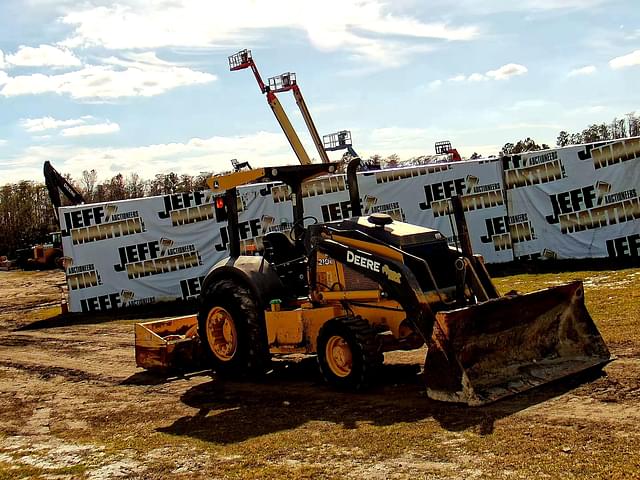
[74,405]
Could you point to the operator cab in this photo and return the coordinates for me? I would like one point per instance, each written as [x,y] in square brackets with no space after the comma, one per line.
[288,258]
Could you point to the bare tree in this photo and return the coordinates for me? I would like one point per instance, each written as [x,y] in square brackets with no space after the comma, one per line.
[88,183]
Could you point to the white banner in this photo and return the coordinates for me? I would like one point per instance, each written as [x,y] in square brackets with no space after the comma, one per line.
[580,201]
[574,202]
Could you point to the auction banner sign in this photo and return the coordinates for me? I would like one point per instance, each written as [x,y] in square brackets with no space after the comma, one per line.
[573,202]
[576,202]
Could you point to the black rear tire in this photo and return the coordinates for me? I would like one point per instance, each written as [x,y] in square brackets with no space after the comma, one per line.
[242,349]
[348,353]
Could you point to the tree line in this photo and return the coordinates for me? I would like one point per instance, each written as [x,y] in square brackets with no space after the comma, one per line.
[26,213]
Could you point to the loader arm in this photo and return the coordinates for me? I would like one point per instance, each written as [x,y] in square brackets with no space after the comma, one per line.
[395,278]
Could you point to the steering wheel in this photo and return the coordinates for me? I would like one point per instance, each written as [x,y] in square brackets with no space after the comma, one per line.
[297,229]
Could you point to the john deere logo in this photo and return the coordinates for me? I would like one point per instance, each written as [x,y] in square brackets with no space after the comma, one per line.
[362,261]
[391,274]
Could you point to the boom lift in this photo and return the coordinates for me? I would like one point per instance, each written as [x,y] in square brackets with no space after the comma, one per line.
[287,82]
[342,141]
[352,289]
[282,83]
[339,141]
[445,148]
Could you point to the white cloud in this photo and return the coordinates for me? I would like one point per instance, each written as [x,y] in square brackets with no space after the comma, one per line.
[482,150]
[587,110]
[42,56]
[374,55]
[530,126]
[624,61]
[507,71]
[1,60]
[73,127]
[531,104]
[560,4]
[116,79]
[367,29]
[4,78]
[96,129]
[192,157]
[502,73]
[49,123]
[477,77]
[2,142]
[588,70]
[404,141]
[434,85]
[488,7]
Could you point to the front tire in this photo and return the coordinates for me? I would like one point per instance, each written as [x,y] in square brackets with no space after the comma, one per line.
[348,353]
[232,330]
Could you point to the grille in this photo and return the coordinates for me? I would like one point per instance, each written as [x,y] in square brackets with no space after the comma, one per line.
[357,281]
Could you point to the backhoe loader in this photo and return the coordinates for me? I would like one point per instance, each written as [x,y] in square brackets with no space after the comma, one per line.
[350,290]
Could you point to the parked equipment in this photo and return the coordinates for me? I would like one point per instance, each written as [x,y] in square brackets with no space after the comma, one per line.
[41,256]
[56,183]
[49,254]
[339,141]
[283,83]
[342,141]
[350,290]
[238,166]
[445,148]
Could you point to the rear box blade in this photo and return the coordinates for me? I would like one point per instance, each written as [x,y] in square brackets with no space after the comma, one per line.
[167,344]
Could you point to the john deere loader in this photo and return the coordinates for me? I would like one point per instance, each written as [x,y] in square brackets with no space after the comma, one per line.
[350,290]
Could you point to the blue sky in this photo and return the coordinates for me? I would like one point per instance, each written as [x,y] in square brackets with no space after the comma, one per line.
[144,87]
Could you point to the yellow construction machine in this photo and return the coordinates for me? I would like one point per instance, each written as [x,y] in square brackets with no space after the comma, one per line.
[350,290]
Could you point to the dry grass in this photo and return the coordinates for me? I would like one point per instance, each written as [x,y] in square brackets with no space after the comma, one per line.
[292,426]
[612,297]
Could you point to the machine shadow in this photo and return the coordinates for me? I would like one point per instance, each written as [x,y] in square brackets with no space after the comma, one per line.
[231,412]
[152,312]
[497,270]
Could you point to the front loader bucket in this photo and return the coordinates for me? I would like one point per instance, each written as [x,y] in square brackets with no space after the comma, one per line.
[503,346]
[168,344]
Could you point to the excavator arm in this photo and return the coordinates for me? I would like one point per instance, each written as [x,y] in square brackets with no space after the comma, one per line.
[56,183]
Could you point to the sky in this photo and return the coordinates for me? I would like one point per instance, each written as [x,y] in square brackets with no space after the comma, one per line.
[144,86]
